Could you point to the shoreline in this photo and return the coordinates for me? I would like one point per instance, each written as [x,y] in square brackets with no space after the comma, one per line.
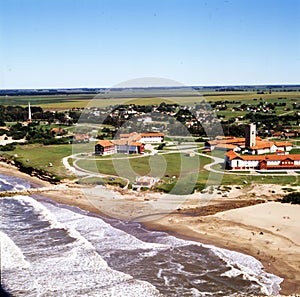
[278,251]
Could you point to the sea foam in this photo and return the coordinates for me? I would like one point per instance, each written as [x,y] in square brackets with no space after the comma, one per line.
[73,269]
[11,255]
[249,268]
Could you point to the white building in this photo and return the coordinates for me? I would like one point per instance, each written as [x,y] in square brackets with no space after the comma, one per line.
[152,137]
[277,161]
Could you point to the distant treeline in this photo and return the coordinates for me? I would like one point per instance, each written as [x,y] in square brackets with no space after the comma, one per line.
[47,92]
[66,91]
[20,114]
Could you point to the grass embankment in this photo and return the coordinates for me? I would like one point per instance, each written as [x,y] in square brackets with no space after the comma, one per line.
[102,181]
[39,156]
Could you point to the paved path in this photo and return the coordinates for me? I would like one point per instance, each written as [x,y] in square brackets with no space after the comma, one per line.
[75,169]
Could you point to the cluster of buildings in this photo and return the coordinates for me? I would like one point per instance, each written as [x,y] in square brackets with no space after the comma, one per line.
[250,144]
[237,161]
[252,153]
[132,143]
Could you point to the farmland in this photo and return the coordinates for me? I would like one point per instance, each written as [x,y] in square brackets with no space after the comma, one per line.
[187,97]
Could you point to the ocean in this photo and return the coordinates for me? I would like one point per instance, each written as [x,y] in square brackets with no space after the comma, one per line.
[49,249]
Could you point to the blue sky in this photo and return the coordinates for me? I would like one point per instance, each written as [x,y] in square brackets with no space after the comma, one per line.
[101,43]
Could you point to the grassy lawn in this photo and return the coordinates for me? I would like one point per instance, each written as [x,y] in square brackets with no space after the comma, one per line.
[159,165]
[295,151]
[216,153]
[39,156]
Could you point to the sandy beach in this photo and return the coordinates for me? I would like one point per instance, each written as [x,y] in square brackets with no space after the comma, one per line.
[247,220]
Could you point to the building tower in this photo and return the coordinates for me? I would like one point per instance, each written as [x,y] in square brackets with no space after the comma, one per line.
[250,135]
[29,113]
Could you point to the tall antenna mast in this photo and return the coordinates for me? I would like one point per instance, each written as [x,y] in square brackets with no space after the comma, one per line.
[29,112]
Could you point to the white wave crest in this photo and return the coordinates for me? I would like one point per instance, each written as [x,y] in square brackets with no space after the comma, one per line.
[250,269]
[11,255]
[102,234]
[43,212]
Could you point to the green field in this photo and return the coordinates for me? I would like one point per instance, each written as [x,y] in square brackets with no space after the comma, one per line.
[63,102]
[53,101]
[39,156]
[170,164]
[175,170]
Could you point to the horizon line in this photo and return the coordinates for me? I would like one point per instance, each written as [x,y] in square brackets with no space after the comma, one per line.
[158,87]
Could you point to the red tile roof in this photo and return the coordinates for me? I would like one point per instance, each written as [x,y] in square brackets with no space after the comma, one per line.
[105,143]
[230,140]
[135,144]
[294,157]
[131,137]
[152,134]
[283,143]
[81,136]
[262,145]
[269,144]
[233,155]
[226,146]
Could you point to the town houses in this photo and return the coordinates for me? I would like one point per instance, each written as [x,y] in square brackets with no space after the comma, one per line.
[131,143]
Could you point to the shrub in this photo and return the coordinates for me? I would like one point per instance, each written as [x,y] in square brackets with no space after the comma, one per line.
[293,198]
[289,189]
[161,146]
[8,147]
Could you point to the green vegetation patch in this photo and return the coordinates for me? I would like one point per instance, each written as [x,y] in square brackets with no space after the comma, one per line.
[102,181]
[45,157]
[172,164]
[288,189]
[295,151]
[293,198]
